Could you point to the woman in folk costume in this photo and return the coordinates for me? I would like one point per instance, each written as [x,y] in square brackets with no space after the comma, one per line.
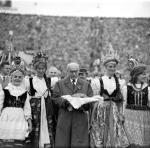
[137,107]
[15,111]
[41,105]
[107,118]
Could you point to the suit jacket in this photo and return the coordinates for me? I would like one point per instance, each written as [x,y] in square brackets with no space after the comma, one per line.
[72,126]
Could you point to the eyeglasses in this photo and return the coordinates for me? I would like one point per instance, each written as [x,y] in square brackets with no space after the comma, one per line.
[73,71]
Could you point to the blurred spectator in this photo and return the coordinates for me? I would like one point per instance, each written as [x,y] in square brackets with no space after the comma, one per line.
[54,74]
[4,77]
[17,62]
[148,79]
[83,73]
[95,83]
[121,80]
[5,68]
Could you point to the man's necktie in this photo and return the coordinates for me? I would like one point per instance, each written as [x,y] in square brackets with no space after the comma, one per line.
[73,84]
[4,78]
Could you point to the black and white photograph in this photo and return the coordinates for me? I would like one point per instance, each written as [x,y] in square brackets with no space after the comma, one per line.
[74,73]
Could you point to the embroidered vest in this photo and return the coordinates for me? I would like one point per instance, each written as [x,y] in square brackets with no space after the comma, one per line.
[48,100]
[32,91]
[137,99]
[115,95]
[13,101]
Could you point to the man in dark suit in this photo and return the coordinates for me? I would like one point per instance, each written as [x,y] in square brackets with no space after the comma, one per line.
[72,125]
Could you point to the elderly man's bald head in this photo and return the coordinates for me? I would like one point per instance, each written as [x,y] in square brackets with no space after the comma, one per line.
[73,67]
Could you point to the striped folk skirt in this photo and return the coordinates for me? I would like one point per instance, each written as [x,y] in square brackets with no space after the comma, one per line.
[106,131]
[137,124]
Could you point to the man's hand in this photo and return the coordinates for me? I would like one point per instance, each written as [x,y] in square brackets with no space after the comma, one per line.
[70,108]
[65,104]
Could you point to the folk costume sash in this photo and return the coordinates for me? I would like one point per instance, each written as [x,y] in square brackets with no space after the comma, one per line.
[44,135]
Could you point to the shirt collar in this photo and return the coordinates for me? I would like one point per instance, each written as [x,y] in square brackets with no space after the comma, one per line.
[107,77]
[74,82]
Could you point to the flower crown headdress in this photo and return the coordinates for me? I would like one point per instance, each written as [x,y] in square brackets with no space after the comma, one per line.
[20,66]
[110,56]
[132,63]
[21,69]
[39,57]
[135,67]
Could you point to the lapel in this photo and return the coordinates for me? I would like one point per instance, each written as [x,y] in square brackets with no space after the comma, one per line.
[79,85]
[68,84]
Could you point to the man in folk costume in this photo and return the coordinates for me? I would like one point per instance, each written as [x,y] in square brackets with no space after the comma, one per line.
[41,105]
[107,116]
[72,125]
